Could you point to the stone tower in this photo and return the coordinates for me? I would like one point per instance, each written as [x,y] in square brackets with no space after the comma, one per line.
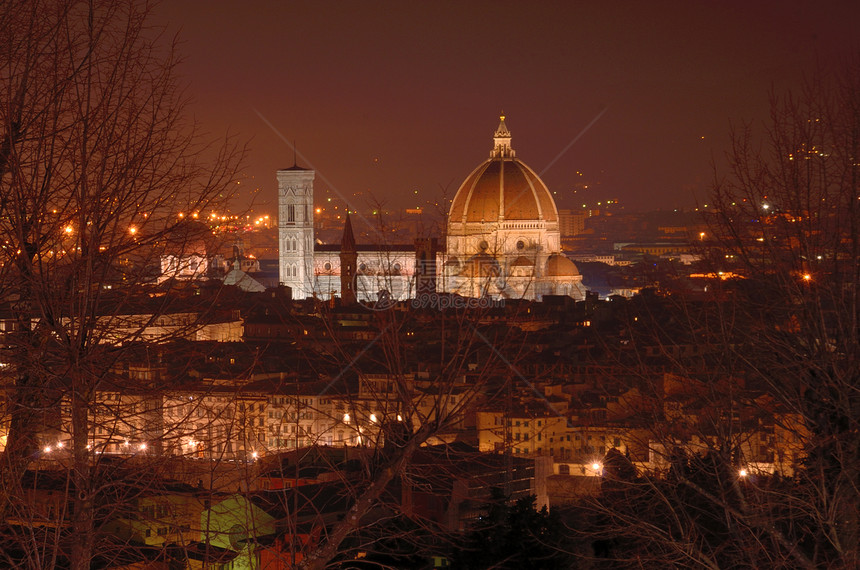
[425,266]
[296,230]
[348,264]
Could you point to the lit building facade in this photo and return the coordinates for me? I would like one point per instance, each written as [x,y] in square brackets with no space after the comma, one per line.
[502,241]
[503,233]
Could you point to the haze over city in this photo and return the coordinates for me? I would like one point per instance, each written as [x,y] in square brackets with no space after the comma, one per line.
[635,100]
[466,285]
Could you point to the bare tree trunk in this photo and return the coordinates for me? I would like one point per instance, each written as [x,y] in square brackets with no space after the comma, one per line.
[82,518]
[98,169]
[321,557]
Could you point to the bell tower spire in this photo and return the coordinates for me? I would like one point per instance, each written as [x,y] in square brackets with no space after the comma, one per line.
[348,263]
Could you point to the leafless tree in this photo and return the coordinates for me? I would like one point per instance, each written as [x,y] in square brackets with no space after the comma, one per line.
[750,391]
[418,381]
[789,216]
[99,167]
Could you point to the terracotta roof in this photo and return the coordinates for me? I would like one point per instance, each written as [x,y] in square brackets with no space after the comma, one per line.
[347,242]
[502,188]
[523,261]
[560,266]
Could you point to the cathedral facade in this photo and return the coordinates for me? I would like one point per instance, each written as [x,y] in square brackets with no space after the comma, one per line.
[347,270]
[502,242]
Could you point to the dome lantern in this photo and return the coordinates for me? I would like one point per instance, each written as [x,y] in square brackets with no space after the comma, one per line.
[503,189]
[502,141]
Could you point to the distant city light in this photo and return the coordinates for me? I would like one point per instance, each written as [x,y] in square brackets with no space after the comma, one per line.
[742,472]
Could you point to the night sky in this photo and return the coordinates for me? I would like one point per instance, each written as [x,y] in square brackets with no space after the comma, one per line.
[386,98]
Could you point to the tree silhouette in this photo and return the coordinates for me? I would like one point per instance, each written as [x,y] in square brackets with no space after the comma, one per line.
[749,390]
[98,169]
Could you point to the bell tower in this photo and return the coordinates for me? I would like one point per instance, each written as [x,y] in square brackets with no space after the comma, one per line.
[348,264]
[296,230]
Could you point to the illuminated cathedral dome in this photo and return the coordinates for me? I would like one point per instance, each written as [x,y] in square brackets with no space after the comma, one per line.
[503,229]
[502,188]
[503,209]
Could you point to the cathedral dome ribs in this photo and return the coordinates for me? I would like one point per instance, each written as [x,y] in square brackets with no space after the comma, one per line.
[503,189]
[503,220]
[502,242]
